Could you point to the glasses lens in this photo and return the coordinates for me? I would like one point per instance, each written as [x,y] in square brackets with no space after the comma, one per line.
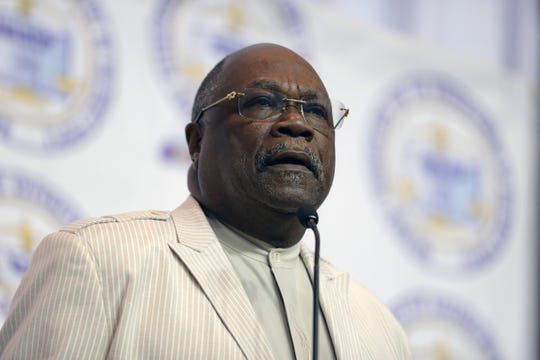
[317,114]
[262,104]
[339,112]
[259,104]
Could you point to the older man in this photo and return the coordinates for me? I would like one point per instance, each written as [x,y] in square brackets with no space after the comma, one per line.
[224,275]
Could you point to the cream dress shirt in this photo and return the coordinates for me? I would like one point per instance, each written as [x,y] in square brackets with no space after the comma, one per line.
[280,290]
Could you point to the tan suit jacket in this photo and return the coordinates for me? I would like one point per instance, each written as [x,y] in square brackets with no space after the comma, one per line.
[157,285]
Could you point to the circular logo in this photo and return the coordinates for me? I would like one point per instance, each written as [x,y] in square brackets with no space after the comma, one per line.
[441,329]
[55,72]
[191,36]
[440,172]
[30,210]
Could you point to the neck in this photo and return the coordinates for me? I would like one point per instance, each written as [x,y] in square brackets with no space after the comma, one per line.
[281,230]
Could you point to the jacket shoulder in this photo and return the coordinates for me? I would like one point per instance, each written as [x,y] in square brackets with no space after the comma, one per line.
[134,216]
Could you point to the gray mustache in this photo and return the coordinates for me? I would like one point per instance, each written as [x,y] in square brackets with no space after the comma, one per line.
[262,158]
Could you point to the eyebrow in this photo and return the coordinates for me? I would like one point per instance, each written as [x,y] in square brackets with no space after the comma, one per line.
[305,92]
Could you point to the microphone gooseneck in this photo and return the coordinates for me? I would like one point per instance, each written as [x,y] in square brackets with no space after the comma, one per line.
[308,218]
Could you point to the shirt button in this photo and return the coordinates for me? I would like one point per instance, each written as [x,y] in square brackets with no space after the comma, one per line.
[276,257]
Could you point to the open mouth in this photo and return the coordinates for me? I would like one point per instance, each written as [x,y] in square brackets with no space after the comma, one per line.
[293,161]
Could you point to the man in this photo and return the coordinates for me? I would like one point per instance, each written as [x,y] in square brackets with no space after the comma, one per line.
[224,275]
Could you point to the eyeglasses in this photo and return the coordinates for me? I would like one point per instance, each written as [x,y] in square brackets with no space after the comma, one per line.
[262,104]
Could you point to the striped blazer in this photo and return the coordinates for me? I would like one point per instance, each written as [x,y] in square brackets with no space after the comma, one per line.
[157,285]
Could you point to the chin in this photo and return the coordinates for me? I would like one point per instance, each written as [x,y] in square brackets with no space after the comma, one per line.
[290,190]
[288,200]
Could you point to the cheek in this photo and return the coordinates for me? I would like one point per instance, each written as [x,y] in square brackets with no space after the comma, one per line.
[328,156]
[239,153]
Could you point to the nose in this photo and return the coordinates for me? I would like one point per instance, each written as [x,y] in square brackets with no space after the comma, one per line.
[292,123]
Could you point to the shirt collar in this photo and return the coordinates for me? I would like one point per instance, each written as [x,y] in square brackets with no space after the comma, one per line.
[250,246]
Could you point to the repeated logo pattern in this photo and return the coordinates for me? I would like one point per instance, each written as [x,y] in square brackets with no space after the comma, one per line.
[440,171]
[442,329]
[56,72]
[30,210]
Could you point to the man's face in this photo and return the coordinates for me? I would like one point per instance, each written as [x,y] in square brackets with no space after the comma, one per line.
[277,164]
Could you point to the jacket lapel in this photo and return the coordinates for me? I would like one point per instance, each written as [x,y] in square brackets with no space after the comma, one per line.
[197,246]
[333,290]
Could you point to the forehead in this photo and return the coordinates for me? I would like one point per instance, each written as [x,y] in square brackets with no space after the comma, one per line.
[275,67]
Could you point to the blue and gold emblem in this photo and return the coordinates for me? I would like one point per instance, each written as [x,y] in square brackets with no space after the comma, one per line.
[441,328]
[440,172]
[30,210]
[55,72]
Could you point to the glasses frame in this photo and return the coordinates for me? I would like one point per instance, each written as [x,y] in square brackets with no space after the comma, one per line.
[236,94]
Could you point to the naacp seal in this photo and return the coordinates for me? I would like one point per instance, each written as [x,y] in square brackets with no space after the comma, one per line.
[440,172]
[55,72]
[30,210]
[441,328]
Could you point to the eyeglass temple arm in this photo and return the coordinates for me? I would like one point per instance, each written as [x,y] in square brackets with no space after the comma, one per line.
[229,96]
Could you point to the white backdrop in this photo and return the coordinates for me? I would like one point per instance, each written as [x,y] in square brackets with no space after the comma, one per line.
[433,202]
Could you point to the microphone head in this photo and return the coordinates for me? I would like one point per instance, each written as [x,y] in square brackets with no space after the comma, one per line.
[306,213]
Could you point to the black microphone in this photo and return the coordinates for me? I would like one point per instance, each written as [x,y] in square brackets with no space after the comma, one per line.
[306,213]
[308,218]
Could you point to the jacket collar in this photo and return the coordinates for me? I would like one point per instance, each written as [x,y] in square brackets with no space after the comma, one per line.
[198,248]
[335,304]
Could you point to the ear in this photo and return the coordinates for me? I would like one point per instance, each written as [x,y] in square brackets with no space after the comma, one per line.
[193,138]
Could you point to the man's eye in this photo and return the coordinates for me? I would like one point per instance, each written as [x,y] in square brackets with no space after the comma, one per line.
[316,110]
[260,101]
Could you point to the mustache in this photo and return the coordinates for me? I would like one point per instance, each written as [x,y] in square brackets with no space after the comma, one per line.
[262,158]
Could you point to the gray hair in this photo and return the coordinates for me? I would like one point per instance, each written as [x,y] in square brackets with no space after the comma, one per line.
[207,88]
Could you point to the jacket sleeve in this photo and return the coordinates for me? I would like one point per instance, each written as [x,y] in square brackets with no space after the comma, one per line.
[58,310]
